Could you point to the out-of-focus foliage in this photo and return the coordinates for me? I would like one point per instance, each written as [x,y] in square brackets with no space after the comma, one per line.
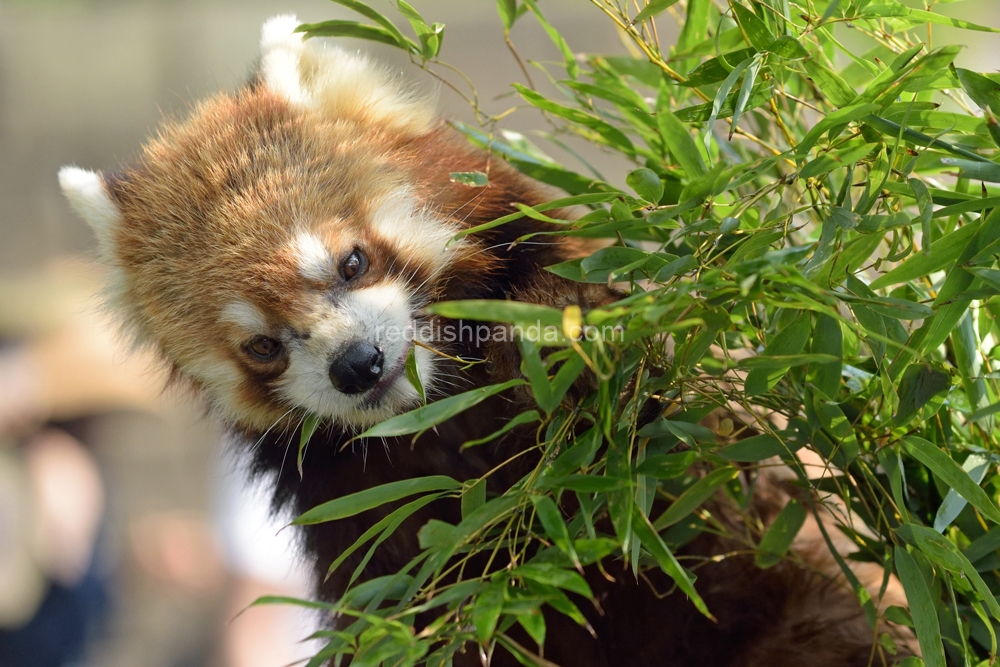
[815,226]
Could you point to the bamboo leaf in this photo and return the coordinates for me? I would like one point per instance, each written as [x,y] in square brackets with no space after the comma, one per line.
[653,543]
[898,10]
[922,608]
[757,33]
[652,9]
[372,33]
[356,503]
[697,494]
[780,535]
[948,471]
[428,416]
[679,142]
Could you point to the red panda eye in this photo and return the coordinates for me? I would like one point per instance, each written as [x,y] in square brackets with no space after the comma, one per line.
[264,348]
[354,265]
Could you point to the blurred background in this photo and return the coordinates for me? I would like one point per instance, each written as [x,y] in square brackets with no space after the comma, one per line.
[128,534]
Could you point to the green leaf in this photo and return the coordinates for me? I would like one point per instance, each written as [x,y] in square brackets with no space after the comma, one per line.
[975,170]
[473,497]
[578,200]
[827,162]
[498,311]
[685,431]
[746,89]
[789,48]
[428,416]
[666,466]
[509,13]
[486,610]
[831,84]
[723,94]
[780,534]
[985,92]
[843,116]
[784,350]
[413,373]
[942,252]
[951,474]
[550,575]
[761,95]
[921,382]
[785,361]
[555,527]
[532,366]
[922,608]
[472,179]
[386,527]
[695,495]
[372,33]
[646,184]
[827,338]
[430,36]
[606,133]
[679,141]
[894,130]
[652,9]
[717,69]
[757,448]
[654,544]
[310,425]
[569,60]
[916,16]
[362,8]
[975,465]
[524,418]
[984,545]
[756,31]
[695,27]
[582,483]
[362,501]
[943,552]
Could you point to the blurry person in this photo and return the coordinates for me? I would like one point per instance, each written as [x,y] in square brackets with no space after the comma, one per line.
[54,586]
[264,561]
[63,372]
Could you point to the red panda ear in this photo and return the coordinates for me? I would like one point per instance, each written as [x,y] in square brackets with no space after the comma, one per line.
[89,195]
[282,51]
[312,74]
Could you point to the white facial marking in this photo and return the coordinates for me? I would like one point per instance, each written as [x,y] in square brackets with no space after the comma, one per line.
[244,315]
[380,314]
[314,260]
[415,232]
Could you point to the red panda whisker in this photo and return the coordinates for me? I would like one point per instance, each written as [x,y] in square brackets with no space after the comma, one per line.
[275,423]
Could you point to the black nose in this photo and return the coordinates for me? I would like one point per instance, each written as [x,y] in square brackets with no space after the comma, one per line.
[358,368]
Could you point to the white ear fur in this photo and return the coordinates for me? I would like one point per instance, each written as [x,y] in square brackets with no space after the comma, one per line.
[89,196]
[335,82]
[281,53]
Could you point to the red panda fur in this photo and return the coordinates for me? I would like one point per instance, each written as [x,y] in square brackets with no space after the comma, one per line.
[234,219]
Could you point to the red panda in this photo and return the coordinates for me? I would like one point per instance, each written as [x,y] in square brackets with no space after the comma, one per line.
[278,247]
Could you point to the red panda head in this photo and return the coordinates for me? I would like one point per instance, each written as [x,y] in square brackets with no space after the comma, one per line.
[276,246]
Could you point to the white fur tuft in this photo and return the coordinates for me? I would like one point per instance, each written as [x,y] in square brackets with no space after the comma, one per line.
[314,260]
[244,315]
[281,55]
[89,196]
[414,231]
[334,82]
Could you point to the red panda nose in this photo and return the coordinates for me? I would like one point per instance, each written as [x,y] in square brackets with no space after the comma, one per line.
[358,368]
